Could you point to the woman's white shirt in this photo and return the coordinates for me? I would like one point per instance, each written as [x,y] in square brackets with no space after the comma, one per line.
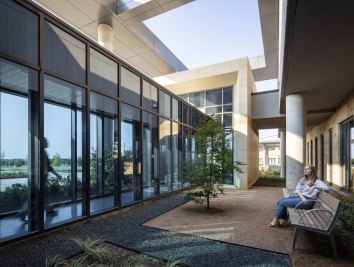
[306,189]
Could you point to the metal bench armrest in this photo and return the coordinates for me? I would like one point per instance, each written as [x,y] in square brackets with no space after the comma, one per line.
[307,200]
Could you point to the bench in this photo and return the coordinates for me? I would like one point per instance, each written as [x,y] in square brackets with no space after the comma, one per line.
[320,219]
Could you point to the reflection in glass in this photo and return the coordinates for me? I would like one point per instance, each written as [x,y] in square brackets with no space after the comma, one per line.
[229,137]
[227,95]
[149,96]
[175,109]
[130,155]
[64,53]
[227,120]
[104,152]
[176,183]
[186,114]
[150,155]
[214,97]
[165,104]
[18,31]
[165,156]
[197,99]
[130,86]
[19,161]
[103,73]
[63,112]
[186,148]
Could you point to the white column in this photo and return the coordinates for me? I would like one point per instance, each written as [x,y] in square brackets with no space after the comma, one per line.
[105,36]
[282,153]
[295,138]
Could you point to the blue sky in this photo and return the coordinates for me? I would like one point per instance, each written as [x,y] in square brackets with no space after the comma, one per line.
[205,32]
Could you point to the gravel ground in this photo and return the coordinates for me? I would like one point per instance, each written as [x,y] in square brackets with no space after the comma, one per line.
[124,228]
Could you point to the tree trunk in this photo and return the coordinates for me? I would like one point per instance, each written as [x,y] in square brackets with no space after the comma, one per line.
[208,199]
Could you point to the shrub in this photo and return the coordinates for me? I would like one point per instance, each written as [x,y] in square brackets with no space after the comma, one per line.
[271,181]
[347,212]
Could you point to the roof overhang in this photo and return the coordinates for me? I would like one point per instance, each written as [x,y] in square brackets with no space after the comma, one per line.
[318,57]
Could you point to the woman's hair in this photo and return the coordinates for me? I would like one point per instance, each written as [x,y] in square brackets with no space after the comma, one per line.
[311,179]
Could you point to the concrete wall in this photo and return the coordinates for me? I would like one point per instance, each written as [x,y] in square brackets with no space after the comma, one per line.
[332,173]
[265,105]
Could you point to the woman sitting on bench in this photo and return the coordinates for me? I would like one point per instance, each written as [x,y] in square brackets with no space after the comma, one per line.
[309,186]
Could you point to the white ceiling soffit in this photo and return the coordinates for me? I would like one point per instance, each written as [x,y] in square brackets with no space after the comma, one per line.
[134,43]
[135,11]
[319,55]
[269,17]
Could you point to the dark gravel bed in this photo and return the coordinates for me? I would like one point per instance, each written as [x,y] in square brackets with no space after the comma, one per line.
[124,228]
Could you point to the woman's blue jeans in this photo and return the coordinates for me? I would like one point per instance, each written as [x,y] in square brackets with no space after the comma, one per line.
[290,202]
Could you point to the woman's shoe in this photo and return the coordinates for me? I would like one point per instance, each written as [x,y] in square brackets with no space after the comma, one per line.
[285,224]
[274,224]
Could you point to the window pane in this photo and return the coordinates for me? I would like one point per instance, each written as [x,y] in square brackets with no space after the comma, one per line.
[130,155]
[186,114]
[18,31]
[19,149]
[103,73]
[175,109]
[104,152]
[165,156]
[165,104]
[130,87]
[149,96]
[228,95]
[213,110]
[186,149]
[150,155]
[228,108]
[184,97]
[176,184]
[197,99]
[227,120]
[64,54]
[194,118]
[214,97]
[63,116]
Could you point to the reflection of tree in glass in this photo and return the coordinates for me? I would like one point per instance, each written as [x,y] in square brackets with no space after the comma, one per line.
[79,161]
[109,156]
[93,168]
[56,160]
[127,165]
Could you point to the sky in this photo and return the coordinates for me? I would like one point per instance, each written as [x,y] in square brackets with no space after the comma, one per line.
[214,30]
[206,32]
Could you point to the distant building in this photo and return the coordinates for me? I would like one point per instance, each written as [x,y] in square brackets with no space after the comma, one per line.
[269,153]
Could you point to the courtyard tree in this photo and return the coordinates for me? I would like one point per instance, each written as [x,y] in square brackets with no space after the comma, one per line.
[210,163]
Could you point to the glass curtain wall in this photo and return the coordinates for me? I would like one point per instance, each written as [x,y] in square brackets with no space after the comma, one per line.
[150,155]
[64,108]
[53,168]
[176,182]
[103,153]
[131,183]
[165,156]
[186,148]
[19,150]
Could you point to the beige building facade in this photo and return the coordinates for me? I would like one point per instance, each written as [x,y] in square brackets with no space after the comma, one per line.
[237,76]
[330,147]
[269,153]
